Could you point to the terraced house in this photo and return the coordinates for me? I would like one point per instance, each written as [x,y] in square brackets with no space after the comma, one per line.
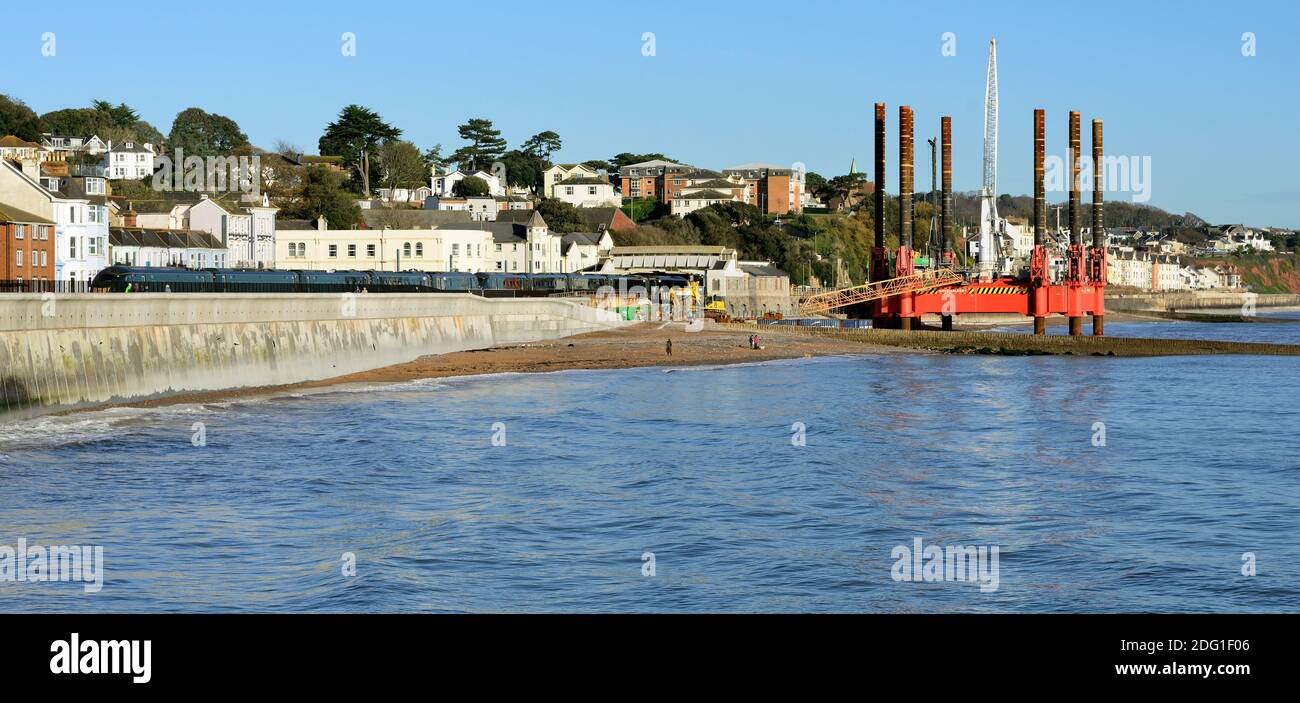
[26,250]
[78,207]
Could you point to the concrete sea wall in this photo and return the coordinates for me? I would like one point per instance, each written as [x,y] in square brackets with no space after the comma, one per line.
[68,351]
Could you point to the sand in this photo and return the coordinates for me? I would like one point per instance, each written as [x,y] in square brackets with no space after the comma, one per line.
[638,345]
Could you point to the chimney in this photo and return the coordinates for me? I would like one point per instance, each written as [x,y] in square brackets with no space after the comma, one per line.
[1076,214]
[321,224]
[1098,221]
[878,195]
[905,176]
[128,217]
[1040,193]
[945,211]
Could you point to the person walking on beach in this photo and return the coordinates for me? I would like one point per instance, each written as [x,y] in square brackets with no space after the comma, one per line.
[669,347]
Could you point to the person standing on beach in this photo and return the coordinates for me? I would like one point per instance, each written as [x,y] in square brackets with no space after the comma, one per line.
[669,347]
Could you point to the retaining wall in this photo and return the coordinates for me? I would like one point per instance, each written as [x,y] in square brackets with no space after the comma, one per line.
[67,351]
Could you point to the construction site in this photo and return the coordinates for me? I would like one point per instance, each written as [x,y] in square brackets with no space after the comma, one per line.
[922,277]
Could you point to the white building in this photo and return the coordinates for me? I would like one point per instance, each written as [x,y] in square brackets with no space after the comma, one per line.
[583,250]
[561,172]
[62,146]
[445,184]
[129,160]
[587,191]
[80,213]
[483,208]
[247,230]
[495,246]
[135,246]
[685,204]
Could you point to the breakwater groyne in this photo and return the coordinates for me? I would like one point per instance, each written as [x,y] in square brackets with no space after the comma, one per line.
[68,351]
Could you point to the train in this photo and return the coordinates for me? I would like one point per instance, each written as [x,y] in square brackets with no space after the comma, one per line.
[137,279]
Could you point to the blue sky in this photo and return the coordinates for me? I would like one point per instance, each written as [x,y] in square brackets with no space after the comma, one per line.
[730,83]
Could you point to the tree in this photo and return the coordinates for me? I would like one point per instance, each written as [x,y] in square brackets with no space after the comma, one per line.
[471,187]
[485,145]
[355,135]
[121,115]
[524,169]
[118,123]
[202,133]
[323,195]
[19,120]
[77,121]
[598,165]
[542,144]
[400,164]
[627,159]
[433,159]
[814,183]
[846,186]
[561,217]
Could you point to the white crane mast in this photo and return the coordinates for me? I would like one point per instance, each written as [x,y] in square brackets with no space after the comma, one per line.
[990,230]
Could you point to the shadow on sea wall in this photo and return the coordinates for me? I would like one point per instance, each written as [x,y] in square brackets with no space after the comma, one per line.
[77,350]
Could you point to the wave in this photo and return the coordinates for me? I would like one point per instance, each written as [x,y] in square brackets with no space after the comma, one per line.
[94,426]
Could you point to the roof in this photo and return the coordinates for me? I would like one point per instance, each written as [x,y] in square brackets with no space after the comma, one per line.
[410,218]
[655,163]
[762,270]
[666,258]
[600,219]
[536,220]
[584,180]
[759,170]
[581,238]
[162,238]
[717,183]
[693,249]
[294,225]
[9,213]
[12,142]
[74,188]
[706,194]
[130,147]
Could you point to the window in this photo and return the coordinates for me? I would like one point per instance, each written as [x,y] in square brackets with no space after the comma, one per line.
[334,251]
[568,190]
[72,247]
[500,265]
[45,233]
[18,257]
[419,249]
[591,190]
[352,251]
[44,260]
[498,247]
[406,249]
[370,250]
[455,249]
[18,231]
[92,246]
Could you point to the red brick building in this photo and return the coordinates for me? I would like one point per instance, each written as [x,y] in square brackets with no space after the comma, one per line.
[26,249]
[772,189]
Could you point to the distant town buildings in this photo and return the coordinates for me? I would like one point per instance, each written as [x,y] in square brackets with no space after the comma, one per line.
[502,246]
